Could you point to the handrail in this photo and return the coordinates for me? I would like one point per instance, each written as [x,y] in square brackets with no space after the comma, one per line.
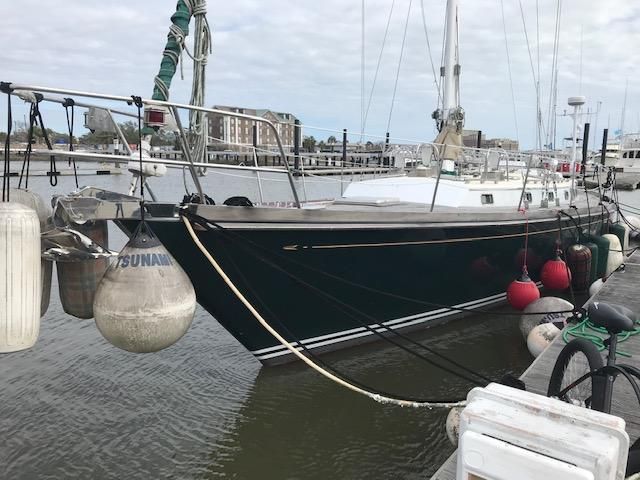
[524,183]
[118,98]
[184,143]
[435,189]
[94,157]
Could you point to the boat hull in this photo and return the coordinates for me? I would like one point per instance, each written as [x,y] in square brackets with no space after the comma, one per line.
[328,288]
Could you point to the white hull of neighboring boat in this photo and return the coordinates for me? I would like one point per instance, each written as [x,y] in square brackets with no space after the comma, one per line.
[461,193]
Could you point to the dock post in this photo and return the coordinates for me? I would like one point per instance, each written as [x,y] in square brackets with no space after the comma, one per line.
[254,132]
[255,161]
[344,159]
[296,144]
[603,152]
[585,146]
[385,160]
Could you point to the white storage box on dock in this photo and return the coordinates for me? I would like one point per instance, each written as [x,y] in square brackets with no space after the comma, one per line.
[507,433]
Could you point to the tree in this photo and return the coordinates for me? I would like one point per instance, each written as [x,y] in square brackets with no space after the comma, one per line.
[97,138]
[130,131]
[331,140]
[309,144]
[163,138]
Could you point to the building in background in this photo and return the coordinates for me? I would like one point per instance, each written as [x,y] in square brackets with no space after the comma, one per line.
[470,139]
[504,143]
[228,131]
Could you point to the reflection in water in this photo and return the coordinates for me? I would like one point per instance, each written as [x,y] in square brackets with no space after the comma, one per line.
[295,424]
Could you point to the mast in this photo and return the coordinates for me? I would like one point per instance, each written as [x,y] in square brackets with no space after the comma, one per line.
[450,118]
[450,94]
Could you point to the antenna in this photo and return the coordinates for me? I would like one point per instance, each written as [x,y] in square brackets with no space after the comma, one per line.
[362,109]
[624,106]
[580,84]
[595,130]
[576,103]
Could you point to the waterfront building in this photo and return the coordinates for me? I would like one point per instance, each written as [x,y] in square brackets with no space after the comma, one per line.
[227,131]
[470,139]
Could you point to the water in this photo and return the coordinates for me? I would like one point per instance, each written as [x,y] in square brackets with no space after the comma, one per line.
[76,407]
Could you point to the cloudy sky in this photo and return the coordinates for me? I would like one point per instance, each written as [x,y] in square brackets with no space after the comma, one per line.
[303,57]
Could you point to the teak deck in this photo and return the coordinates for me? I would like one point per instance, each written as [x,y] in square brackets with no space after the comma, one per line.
[623,287]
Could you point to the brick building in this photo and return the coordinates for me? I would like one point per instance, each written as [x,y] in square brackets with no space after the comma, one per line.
[230,130]
[470,139]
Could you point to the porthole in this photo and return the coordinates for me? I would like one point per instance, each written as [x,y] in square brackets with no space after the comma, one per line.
[486,198]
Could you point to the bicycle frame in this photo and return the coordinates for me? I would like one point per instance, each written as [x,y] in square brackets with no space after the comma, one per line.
[603,379]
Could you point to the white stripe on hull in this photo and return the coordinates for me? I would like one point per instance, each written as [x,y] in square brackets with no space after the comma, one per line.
[355,333]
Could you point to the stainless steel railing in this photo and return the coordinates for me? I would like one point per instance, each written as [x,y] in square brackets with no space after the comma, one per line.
[174,107]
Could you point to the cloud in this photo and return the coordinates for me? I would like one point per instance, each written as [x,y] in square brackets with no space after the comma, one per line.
[303,56]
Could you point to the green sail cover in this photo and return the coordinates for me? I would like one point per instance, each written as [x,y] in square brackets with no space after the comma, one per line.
[180,21]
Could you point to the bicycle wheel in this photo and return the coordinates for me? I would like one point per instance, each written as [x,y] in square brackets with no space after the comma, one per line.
[577,358]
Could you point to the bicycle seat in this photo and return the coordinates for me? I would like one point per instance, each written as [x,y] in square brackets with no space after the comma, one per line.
[613,317]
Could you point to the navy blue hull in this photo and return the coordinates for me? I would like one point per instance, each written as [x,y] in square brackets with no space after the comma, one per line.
[323,286]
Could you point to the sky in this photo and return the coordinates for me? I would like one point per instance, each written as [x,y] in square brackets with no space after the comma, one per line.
[304,57]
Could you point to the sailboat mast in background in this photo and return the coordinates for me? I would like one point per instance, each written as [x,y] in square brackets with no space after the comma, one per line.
[450,118]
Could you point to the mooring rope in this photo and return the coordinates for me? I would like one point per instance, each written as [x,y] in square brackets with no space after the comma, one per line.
[69,103]
[368,393]
[377,291]
[138,103]
[296,341]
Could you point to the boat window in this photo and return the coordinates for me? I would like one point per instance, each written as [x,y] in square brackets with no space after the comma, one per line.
[486,198]
[625,154]
[551,196]
[528,197]
[638,154]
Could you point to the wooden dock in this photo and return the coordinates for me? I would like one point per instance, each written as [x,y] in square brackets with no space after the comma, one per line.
[307,160]
[622,288]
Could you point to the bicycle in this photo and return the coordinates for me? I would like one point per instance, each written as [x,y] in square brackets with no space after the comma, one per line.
[580,376]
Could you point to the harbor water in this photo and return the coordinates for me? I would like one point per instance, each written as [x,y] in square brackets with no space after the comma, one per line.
[76,407]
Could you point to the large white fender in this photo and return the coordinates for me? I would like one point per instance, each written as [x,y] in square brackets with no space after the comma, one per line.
[20,277]
[541,337]
[145,301]
[616,257]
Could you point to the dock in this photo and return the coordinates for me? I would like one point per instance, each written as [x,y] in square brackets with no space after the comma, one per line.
[42,168]
[323,163]
[622,288]
[624,181]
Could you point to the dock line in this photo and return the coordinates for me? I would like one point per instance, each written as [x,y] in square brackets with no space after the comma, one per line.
[373,395]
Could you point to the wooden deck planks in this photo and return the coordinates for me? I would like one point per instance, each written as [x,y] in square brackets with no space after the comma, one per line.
[623,287]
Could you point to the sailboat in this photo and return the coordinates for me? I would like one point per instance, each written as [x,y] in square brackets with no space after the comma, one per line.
[392,254]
